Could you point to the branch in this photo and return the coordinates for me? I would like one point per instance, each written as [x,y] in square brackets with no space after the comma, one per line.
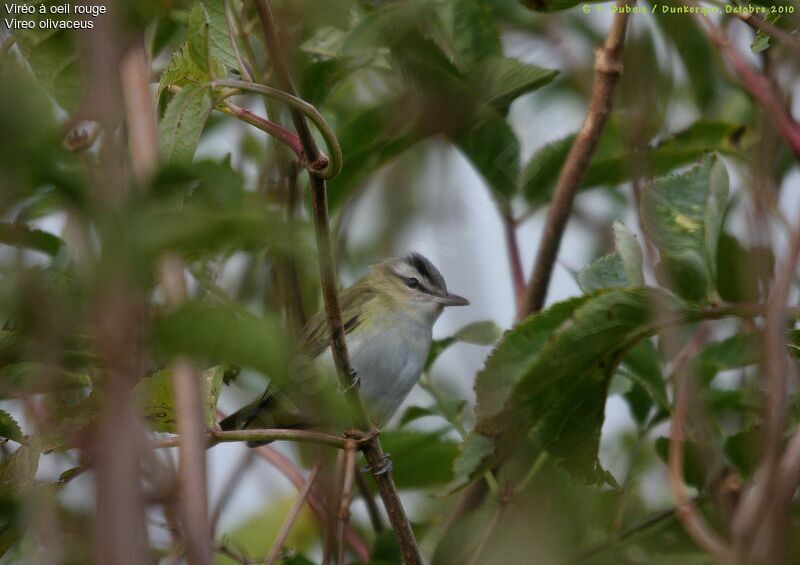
[212,438]
[754,82]
[275,551]
[685,508]
[759,24]
[140,113]
[277,131]
[187,384]
[343,515]
[607,70]
[371,448]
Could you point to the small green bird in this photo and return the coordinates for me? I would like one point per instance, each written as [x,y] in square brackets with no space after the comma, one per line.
[388,318]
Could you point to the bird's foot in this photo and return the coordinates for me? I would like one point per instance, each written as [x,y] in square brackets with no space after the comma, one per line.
[355,381]
[385,466]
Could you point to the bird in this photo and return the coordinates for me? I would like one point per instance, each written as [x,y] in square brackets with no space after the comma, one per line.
[388,317]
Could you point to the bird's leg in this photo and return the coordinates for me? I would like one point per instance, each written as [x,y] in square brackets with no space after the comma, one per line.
[356,381]
[384,467]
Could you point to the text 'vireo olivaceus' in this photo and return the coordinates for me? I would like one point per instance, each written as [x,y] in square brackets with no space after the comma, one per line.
[388,319]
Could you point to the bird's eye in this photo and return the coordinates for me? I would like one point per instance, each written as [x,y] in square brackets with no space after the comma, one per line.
[412,283]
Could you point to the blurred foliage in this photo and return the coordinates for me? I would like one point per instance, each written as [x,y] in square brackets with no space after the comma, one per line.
[81,241]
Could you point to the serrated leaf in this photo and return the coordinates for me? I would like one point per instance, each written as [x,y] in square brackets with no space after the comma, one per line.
[183,122]
[607,271]
[473,454]
[550,375]
[501,80]
[682,215]
[20,235]
[479,333]
[9,428]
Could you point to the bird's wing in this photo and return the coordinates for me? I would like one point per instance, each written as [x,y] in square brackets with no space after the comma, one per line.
[316,338]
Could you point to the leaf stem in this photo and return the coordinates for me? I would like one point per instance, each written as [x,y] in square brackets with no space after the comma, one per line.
[291,517]
[319,164]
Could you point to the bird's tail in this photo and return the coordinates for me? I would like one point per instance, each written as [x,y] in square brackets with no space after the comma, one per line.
[257,414]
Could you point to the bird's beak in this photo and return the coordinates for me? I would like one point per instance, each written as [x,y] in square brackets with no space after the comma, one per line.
[453,300]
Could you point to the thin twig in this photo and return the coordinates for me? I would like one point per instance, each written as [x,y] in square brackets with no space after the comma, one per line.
[233,32]
[288,469]
[685,508]
[607,70]
[514,259]
[371,448]
[140,112]
[343,515]
[277,545]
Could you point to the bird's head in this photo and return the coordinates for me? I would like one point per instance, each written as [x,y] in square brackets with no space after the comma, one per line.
[415,283]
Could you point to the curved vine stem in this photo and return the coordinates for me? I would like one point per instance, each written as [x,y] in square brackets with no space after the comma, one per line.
[323,166]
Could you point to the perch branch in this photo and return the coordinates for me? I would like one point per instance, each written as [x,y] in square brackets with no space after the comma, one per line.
[607,70]
[212,438]
[760,24]
[371,447]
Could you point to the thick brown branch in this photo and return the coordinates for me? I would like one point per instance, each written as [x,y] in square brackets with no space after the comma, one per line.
[371,448]
[607,70]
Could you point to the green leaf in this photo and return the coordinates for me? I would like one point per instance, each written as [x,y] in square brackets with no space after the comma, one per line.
[53,57]
[19,470]
[695,464]
[9,428]
[493,148]
[421,459]
[20,235]
[479,333]
[613,162]
[550,375]
[224,335]
[630,253]
[501,80]
[183,121]
[473,35]
[620,269]
[219,39]
[156,395]
[743,449]
[197,37]
[607,271]
[644,368]
[683,216]
[738,350]
[474,451]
